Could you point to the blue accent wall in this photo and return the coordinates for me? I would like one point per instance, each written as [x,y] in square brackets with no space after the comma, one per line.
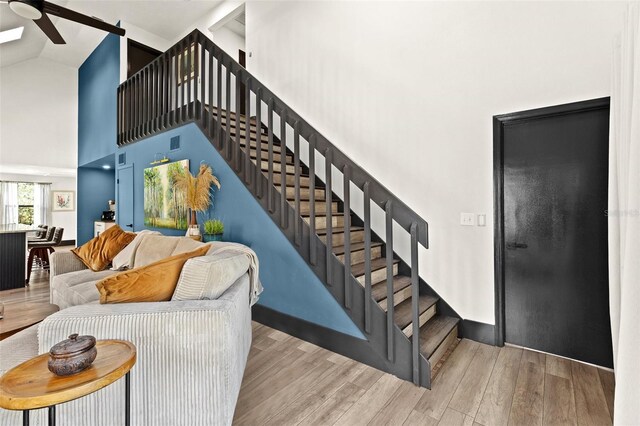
[95,188]
[98,79]
[290,285]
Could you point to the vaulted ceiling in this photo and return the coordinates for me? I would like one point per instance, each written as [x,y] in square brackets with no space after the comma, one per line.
[164,18]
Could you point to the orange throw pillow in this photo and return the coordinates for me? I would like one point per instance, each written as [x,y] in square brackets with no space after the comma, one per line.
[155,282]
[98,252]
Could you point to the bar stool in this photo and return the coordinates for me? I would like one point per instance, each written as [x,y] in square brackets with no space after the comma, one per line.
[41,250]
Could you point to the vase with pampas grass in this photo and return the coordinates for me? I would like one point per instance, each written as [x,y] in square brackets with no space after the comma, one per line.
[197,190]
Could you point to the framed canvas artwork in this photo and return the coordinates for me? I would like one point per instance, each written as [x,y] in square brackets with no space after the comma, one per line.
[164,206]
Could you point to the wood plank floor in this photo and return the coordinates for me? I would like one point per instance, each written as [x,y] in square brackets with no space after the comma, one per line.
[291,382]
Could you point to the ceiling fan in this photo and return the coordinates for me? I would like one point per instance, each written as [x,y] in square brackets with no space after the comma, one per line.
[38,11]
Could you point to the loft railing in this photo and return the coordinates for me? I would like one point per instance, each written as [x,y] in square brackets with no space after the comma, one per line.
[196,81]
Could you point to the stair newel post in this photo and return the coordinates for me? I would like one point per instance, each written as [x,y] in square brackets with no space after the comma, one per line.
[136,105]
[227,118]
[143,102]
[209,117]
[313,255]
[328,194]
[119,124]
[415,294]
[192,57]
[218,106]
[258,170]
[367,258]
[202,81]
[390,295]
[166,77]
[269,156]
[247,148]
[296,181]
[284,223]
[174,84]
[159,91]
[346,177]
[238,121]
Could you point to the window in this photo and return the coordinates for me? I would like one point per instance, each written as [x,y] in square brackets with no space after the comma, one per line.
[25,203]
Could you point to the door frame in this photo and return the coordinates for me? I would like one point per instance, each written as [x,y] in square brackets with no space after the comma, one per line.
[499,124]
[118,169]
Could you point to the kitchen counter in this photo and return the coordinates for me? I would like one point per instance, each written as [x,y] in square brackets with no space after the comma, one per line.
[13,254]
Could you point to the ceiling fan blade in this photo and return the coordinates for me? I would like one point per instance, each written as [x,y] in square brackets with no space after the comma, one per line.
[54,9]
[49,29]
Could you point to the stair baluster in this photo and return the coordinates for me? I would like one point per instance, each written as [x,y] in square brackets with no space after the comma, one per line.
[346,173]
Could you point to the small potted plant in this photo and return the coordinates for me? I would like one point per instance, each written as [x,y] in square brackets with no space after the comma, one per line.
[213,230]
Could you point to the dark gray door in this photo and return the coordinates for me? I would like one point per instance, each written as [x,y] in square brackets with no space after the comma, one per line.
[124,202]
[555,232]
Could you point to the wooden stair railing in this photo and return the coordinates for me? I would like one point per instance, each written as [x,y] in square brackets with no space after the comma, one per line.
[291,168]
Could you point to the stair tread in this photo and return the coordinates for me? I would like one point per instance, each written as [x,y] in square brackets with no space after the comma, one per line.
[402,313]
[433,333]
[338,250]
[323,214]
[358,269]
[379,290]
[340,230]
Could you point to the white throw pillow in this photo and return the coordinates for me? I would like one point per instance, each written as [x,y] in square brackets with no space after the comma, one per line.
[208,277]
[124,259]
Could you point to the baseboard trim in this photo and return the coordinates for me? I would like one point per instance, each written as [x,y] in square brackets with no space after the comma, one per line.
[479,331]
[335,341]
[67,243]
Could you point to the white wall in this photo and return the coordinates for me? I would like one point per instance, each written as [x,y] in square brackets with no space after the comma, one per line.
[39,114]
[228,41]
[408,90]
[66,220]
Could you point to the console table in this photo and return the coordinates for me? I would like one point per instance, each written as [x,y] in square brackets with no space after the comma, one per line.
[13,253]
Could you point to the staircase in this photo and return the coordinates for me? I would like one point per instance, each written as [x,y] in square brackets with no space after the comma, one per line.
[407,325]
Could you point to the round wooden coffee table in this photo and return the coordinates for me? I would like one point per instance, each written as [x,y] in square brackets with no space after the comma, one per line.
[20,316]
[31,385]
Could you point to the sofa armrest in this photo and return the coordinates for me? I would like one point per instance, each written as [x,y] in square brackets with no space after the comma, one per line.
[63,263]
[195,348]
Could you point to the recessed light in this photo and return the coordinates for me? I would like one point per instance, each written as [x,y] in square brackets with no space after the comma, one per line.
[11,35]
[106,167]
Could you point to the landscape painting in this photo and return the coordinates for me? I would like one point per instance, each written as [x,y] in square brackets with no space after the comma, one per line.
[165,207]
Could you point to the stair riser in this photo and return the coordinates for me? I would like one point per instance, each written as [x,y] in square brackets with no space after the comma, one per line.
[451,338]
[243,125]
[253,136]
[265,156]
[422,319]
[304,193]
[225,114]
[290,169]
[320,207]
[379,275]
[321,221]
[264,147]
[398,298]
[358,256]
[290,180]
[338,238]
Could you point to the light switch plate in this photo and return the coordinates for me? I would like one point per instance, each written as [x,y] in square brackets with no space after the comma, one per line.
[482,219]
[467,219]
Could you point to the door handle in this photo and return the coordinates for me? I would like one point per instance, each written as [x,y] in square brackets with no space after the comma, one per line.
[513,246]
[129,225]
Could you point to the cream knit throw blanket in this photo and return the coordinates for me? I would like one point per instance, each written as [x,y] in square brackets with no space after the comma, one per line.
[254,265]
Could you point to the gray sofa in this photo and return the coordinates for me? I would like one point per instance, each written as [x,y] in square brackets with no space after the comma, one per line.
[191,353]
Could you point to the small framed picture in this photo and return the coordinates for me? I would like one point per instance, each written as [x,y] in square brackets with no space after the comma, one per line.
[63,201]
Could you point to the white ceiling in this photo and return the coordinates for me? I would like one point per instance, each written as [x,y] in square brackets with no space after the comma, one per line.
[164,18]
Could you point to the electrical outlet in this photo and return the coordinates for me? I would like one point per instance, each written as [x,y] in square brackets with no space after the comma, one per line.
[467,219]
